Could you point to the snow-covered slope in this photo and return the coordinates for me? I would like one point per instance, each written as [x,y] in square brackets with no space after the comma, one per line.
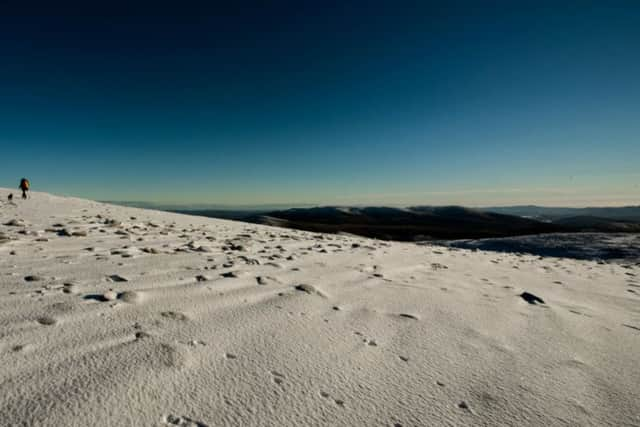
[114,316]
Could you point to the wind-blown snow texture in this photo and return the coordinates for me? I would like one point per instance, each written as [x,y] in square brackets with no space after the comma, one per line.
[114,316]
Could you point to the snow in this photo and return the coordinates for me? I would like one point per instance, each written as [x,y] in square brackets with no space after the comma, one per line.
[155,319]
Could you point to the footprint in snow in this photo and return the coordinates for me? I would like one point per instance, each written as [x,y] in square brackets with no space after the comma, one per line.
[174,420]
[326,395]
[46,321]
[174,315]
[277,377]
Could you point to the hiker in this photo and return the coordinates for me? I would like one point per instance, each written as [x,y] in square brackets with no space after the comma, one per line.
[24,186]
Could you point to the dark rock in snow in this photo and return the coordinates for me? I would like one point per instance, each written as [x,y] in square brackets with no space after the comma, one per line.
[531,298]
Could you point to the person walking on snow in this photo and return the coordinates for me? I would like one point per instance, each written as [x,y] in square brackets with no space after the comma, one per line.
[24,186]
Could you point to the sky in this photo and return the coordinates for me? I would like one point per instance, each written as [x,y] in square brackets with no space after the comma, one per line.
[475,103]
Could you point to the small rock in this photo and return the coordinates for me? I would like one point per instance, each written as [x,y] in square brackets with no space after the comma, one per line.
[464,405]
[408,316]
[229,275]
[249,261]
[531,298]
[308,289]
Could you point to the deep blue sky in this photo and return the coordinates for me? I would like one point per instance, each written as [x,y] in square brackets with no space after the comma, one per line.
[395,102]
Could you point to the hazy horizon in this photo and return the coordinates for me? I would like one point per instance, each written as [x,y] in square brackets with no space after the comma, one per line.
[377,103]
[204,205]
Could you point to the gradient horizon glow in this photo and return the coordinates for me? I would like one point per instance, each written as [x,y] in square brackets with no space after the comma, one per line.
[378,103]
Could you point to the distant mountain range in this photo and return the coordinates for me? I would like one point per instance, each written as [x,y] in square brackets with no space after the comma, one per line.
[418,223]
[628,213]
[409,224]
[449,222]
